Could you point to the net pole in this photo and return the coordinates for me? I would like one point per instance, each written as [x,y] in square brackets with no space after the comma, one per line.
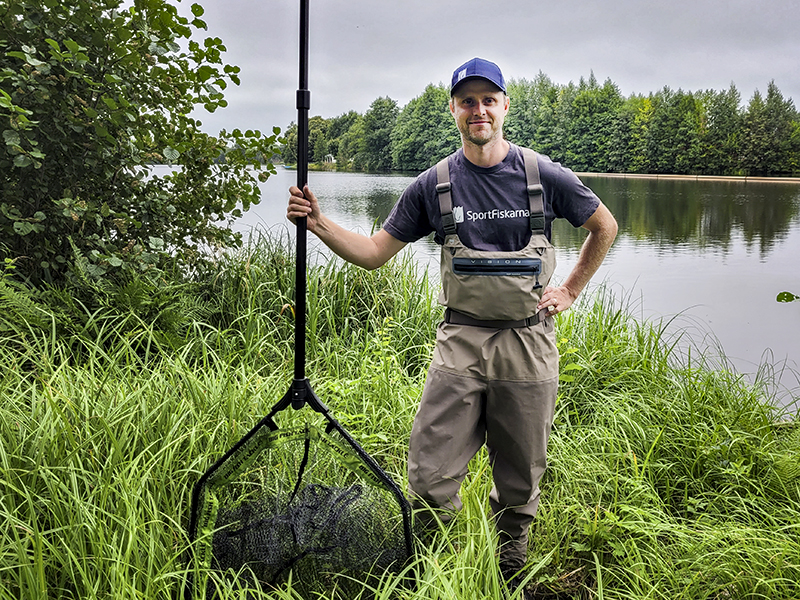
[299,385]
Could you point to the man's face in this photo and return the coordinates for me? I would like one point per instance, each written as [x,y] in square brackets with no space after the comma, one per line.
[479,108]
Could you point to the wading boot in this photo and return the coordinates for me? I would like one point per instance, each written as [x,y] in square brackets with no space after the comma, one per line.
[513,580]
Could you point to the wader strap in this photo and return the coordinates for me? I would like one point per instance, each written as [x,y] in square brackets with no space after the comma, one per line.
[535,197]
[445,200]
[457,318]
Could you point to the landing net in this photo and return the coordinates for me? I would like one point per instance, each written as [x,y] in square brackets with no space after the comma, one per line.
[306,502]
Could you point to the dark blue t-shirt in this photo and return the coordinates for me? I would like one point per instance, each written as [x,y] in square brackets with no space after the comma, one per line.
[490,204]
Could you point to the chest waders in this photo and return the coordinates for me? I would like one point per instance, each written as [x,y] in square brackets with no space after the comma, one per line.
[494,375]
[495,286]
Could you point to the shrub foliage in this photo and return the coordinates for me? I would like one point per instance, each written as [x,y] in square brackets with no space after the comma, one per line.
[92,92]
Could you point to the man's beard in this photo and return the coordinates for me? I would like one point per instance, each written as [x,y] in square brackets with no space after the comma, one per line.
[482,139]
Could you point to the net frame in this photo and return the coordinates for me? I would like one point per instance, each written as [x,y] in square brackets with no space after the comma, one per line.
[266,435]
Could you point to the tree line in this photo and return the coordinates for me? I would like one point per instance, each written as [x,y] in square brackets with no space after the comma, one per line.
[587,126]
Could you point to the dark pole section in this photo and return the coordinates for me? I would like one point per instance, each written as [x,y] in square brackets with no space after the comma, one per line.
[303,105]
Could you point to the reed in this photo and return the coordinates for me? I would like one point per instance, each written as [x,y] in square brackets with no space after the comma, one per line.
[667,476]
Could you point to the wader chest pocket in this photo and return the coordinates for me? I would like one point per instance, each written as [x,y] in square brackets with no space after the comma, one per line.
[497,266]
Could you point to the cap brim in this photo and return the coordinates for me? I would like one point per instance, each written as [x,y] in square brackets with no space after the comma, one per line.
[472,78]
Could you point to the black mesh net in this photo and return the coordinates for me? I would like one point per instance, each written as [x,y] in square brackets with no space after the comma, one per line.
[306,502]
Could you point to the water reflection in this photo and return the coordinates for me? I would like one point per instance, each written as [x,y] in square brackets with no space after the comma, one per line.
[660,213]
[369,197]
[699,214]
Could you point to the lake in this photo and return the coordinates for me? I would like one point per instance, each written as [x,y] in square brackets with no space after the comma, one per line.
[707,257]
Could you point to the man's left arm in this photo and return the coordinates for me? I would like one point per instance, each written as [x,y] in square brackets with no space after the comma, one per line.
[602,229]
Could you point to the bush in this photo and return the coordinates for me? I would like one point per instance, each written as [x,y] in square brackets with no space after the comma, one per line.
[91,94]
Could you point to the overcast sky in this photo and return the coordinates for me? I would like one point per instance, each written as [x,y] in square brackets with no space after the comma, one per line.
[363,49]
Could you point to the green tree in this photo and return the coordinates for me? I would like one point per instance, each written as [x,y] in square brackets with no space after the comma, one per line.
[589,132]
[562,115]
[673,136]
[545,137]
[379,121]
[317,139]
[337,128]
[794,145]
[755,137]
[353,145]
[289,147]
[625,124]
[720,131]
[528,99]
[424,131]
[640,132]
[91,93]
[781,117]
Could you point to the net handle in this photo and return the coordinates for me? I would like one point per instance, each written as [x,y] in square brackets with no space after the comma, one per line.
[303,106]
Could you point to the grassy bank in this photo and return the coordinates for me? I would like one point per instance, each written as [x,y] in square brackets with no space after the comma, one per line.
[667,479]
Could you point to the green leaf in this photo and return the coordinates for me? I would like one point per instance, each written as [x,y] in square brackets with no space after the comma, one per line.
[205,72]
[573,367]
[17,54]
[11,137]
[72,46]
[581,547]
[787,297]
[22,161]
[171,154]
[102,131]
[23,227]
[197,10]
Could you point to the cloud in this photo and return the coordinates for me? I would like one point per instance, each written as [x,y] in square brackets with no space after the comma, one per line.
[364,49]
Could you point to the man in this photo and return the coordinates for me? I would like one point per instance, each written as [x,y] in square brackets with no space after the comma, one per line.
[494,374]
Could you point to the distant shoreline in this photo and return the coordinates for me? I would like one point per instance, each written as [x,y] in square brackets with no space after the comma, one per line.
[736,178]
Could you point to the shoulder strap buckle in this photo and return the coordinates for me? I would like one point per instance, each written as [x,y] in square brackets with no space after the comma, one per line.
[445,201]
[535,191]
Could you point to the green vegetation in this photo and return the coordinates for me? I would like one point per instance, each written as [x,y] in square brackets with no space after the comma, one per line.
[588,127]
[91,93]
[668,479]
[131,357]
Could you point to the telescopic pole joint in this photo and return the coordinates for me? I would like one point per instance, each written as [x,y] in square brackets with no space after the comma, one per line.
[303,100]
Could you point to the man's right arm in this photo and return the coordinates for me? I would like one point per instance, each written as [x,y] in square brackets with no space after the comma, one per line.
[364,251]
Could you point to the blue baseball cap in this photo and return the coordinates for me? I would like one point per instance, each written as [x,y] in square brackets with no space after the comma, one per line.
[478,68]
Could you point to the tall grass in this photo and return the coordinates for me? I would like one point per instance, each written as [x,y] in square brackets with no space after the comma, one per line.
[667,477]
